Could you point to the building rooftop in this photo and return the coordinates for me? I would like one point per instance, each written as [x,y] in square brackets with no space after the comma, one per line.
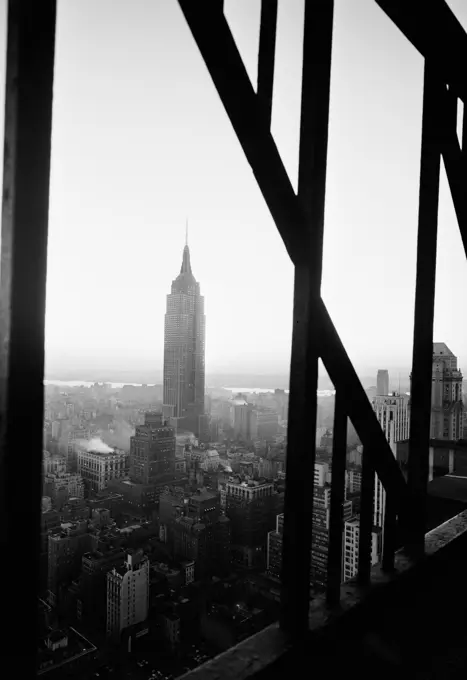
[203,495]
[74,646]
[441,348]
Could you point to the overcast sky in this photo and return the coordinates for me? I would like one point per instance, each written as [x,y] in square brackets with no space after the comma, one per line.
[141,141]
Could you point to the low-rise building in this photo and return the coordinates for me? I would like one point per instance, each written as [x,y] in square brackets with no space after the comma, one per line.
[97,468]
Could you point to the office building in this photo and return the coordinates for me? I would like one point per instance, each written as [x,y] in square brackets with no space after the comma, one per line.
[152,450]
[127,593]
[382,383]
[351,543]
[252,507]
[242,420]
[93,595]
[321,474]
[393,414]
[447,408]
[320,538]
[194,526]
[184,340]
[53,464]
[65,549]
[97,468]
[274,548]
[264,424]
[62,486]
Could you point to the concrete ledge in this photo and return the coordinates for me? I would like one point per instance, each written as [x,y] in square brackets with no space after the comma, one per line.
[269,649]
[248,658]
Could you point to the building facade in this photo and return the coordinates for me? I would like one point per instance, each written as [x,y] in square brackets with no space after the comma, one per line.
[127,593]
[184,343]
[252,507]
[447,417]
[382,383]
[97,468]
[393,414]
[152,450]
[351,543]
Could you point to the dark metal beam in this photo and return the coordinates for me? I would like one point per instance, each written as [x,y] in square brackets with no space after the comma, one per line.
[366,518]
[435,32]
[298,501]
[314,124]
[266,55]
[339,459]
[359,410]
[222,58]
[389,533]
[306,338]
[422,360]
[455,163]
[28,121]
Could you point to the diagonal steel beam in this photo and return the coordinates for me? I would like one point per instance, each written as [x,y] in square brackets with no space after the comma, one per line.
[222,58]
[455,162]
[435,32]
[358,408]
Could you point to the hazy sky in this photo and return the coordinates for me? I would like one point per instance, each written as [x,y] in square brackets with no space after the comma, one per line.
[141,141]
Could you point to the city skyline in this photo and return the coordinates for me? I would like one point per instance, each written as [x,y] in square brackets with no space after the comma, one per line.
[148,120]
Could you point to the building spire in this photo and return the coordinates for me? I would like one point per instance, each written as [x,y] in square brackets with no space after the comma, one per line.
[186,265]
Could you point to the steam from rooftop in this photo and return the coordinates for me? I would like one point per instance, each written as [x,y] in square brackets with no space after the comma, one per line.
[96,444]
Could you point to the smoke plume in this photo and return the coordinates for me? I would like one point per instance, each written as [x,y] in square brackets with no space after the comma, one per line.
[96,444]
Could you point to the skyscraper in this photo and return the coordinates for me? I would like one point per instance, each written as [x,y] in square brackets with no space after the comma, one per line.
[446,395]
[393,415]
[152,450]
[184,339]
[382,383]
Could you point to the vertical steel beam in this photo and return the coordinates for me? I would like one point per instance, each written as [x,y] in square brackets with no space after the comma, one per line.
[389,533]
[366,516]
[317,48]
[266,56]
[28,120]
[421,388]
[339,458]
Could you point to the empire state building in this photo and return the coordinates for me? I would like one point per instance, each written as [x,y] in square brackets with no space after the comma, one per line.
[184,337]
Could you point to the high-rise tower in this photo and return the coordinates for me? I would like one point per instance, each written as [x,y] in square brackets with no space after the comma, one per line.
[184,338]
[446,395]
[382,383]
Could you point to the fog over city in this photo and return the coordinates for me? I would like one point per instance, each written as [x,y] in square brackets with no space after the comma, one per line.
[162,140]
[141,142]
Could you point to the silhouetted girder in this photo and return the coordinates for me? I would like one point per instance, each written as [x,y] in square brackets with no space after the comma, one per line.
[359,410]
[434,30]
[456,170]
[435,112]
[251,124]
[25,210]
[266,55]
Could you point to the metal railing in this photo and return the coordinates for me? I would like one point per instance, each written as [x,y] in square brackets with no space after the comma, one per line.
[434,31]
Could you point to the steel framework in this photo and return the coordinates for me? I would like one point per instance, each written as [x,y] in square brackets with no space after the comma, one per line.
[436,33]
